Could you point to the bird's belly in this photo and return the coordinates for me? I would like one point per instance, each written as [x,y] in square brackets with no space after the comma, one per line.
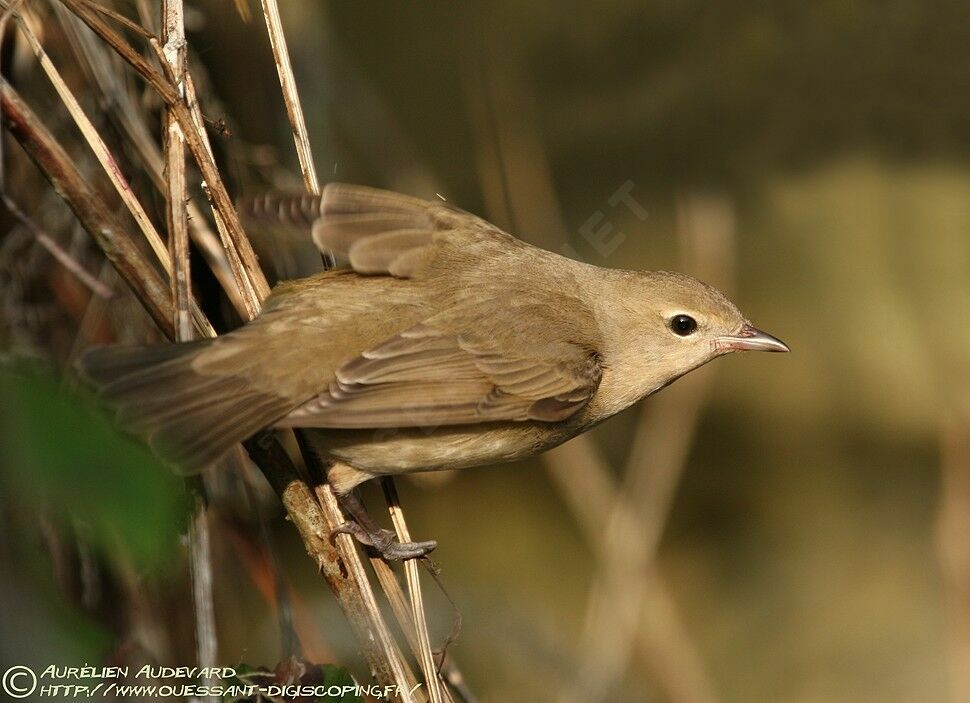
[404,450]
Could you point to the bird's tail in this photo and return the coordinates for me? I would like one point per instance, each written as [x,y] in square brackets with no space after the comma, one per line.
[189,418]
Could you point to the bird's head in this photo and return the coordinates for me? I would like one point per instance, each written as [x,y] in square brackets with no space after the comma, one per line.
[670,324]
[694,322]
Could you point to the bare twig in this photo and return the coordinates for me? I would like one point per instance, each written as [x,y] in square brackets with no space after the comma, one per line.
[88,206]
[55,250]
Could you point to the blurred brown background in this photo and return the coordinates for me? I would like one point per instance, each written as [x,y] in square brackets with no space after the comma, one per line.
[812,158]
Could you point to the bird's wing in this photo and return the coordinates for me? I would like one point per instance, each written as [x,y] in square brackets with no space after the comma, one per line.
[379,232]
[432,374]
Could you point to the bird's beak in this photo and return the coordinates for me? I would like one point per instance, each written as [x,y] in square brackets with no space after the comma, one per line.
[750,338]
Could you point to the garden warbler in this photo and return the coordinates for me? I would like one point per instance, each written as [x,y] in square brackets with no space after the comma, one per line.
[444,343]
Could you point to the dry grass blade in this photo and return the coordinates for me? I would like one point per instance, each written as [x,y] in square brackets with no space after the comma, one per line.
[294,108]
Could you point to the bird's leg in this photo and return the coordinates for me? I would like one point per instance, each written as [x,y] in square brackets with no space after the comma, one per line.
[366,531]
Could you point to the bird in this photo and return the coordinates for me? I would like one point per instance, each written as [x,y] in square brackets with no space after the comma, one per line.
[441,342]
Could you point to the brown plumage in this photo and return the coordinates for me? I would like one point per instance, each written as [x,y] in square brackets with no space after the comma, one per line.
[446,343]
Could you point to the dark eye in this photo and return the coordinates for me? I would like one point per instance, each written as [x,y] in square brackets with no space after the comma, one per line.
[683,325]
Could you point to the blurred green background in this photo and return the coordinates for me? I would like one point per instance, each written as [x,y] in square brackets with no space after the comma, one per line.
[814,549]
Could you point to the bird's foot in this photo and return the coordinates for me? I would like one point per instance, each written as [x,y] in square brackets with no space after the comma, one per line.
[385,542]
[365,530]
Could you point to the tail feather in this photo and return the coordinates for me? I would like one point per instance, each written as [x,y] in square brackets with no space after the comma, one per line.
[189,418]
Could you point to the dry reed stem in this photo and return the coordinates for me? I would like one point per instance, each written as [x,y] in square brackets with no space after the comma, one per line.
[246,290]
[394,659]
[200,574]
[294,111]
[426,656]
[403,613]
[953,546]
[305,510]
[315,514]
[291,96]
[193,314]
[173,36]
[242,259]
[95,61]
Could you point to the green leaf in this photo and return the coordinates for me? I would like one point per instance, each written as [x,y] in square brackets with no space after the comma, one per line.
[338,676]
[65,453]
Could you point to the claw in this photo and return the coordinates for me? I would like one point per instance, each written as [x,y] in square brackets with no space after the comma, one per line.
[384,542]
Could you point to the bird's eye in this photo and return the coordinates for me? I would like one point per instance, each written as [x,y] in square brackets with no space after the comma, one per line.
[683,325]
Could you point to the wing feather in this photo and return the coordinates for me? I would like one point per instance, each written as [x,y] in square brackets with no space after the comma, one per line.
[429,376]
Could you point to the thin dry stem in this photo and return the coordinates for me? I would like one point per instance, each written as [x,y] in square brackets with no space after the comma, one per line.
[103,72]
[55,250]
[88,206]
[392,655]
[242,258]
[291,96]
[173,34]
[111,169]
[426,656]
[952,540]
[200,561]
